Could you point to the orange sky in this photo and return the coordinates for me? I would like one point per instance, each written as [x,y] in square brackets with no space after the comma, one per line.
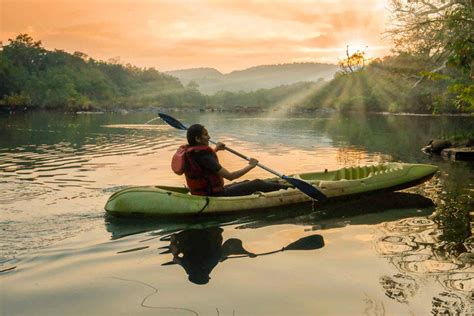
[176,34]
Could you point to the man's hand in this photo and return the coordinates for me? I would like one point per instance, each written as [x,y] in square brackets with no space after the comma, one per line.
[253,162]
[220,146]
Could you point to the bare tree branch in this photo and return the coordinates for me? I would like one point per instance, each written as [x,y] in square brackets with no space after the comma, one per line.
[435,9]
[443,66]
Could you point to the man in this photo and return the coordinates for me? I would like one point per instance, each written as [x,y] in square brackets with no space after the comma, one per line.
[204,174]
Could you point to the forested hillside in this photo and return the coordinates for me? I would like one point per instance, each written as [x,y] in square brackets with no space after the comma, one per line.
[32,77]
[431,71]
[264,99]
[35,78]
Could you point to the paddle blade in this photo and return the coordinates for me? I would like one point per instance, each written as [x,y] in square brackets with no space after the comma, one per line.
[307,189]
[169,263]
[233,246]
[307,243]
[172,121]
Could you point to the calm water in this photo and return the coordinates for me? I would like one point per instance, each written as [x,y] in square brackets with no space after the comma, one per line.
[60,254]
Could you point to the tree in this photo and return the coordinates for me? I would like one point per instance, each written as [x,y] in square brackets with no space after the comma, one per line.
[353,62]
[192,85]
[37,78]
[440,29]
[24,52]
[443,31]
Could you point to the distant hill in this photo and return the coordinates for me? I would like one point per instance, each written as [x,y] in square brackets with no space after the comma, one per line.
[260,77]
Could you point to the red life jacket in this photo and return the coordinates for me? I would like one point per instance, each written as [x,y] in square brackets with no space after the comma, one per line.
[178,161]
[201,182]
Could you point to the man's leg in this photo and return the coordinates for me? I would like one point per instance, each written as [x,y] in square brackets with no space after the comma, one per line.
[248,187]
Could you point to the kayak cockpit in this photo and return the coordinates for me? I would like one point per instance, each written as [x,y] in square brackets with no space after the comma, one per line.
[350,173]
[173,189]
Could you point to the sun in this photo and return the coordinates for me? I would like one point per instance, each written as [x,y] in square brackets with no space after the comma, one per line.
[357,45]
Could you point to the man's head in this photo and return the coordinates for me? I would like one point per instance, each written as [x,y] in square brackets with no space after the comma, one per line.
[197,135]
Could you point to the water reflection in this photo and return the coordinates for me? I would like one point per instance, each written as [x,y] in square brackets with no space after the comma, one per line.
[414,247]
[197,244]
[448,304]
[383,207]
[199,251]
[399,287]
[408,236]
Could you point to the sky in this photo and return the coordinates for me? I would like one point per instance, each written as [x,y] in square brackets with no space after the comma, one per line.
[225,35]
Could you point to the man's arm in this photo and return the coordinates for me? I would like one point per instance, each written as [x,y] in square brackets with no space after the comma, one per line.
[226,174]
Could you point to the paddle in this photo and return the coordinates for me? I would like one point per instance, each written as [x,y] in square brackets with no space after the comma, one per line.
[311,242]
[301,185]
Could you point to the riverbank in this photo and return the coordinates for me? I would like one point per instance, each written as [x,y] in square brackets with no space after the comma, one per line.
[243,109]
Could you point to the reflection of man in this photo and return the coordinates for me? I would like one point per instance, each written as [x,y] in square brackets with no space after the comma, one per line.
[198,251]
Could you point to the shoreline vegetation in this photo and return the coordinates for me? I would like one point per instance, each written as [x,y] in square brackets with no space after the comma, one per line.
[33,78]
[430,71]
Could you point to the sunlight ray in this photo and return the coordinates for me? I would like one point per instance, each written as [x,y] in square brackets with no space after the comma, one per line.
[292,102]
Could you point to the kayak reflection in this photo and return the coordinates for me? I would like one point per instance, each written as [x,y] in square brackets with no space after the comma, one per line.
[199,251]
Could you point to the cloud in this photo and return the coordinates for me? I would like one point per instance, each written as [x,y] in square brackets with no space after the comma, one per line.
[217,33]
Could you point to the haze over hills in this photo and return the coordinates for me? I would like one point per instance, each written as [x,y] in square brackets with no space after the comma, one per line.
[211,80]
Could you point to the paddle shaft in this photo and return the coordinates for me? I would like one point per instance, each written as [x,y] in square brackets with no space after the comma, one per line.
[248,159]
[300,184]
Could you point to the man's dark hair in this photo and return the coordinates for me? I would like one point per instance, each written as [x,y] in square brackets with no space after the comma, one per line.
[194,131]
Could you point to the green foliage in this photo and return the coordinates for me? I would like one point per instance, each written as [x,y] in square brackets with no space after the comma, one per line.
[353,62]
[192,85]
[17,100]
[31,76]
[454,222]
[394,84]
[459,36]
[440,32]
[262,99]
[434,75]
[464,96]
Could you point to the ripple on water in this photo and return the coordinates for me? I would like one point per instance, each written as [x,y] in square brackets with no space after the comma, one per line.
[36,160]
[15,190]
[65,178]
[138,126]
[21,236]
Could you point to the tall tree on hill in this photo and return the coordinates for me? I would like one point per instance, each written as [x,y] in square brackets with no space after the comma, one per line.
[353,62]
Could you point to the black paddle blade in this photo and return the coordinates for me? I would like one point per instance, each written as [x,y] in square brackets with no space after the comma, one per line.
[306,188]
[233,246]
[172,121]
[307,243]
[169,263]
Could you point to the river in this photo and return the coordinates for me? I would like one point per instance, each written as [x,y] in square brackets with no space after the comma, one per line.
[399,253]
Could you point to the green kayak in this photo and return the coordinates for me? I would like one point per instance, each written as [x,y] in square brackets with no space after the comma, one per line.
[170,201]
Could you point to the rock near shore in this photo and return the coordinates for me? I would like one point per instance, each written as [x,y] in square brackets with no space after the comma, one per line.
[459,150]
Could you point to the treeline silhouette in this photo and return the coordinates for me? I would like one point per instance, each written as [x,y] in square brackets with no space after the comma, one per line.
[33,77]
